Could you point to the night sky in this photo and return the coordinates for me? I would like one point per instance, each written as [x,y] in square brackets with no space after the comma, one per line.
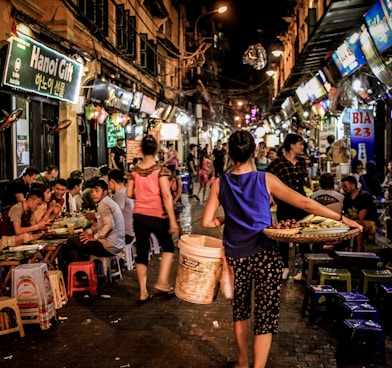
[246,24]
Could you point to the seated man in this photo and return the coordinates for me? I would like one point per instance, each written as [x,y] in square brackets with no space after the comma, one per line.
[58,195]
[327,195]
[73,189]
[358,205]
[19,219]
[107,237]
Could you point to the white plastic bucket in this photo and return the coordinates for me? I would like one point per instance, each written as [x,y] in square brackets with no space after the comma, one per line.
[199,268]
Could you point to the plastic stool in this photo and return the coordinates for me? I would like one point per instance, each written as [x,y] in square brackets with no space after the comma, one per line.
[105,268]
[58,287]
[33,292]
[311,263]
[351,296]
[375,276]
[129,255]
[386,306]
[359,310]
[6,304]
[361,341]
[90,284]
[347,296]
[313,293]
[335,274]
[185,187]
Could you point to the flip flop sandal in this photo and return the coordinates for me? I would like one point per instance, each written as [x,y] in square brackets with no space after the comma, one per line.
[144,301]
[167,292]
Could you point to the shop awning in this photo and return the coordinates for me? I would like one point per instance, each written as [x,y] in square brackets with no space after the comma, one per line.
[340,20]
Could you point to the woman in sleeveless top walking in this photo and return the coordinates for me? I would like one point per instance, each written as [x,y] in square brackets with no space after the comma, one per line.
[148,184]
[245,197]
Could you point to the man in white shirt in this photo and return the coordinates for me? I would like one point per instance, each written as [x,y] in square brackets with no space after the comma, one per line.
[73,189]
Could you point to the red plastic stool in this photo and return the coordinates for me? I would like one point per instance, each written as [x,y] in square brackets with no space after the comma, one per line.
[90,284]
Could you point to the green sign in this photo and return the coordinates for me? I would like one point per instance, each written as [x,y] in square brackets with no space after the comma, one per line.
[36,68]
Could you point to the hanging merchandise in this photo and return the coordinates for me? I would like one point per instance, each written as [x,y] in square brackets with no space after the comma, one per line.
[89,111]
[117,118]
[125,120]
[103,114]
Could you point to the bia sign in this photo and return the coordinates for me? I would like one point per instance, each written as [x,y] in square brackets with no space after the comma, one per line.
[362,132]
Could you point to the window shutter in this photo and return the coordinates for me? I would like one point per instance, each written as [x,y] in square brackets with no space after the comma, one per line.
[143,50]
[101,19]
[120,25]
[131,52]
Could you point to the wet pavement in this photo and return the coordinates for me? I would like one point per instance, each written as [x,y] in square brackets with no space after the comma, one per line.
[112,330]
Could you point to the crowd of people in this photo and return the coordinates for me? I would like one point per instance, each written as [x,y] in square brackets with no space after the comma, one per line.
[245,179]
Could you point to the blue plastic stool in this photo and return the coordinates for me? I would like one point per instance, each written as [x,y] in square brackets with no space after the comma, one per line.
[351,296]
[346,296]
[386,306]
[185,187]
[313,293]
[361,342]
[360,310]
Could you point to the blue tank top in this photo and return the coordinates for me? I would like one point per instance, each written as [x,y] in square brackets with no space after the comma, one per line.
[246,203]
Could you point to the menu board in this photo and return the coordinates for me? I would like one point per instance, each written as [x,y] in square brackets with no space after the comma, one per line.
[133,150]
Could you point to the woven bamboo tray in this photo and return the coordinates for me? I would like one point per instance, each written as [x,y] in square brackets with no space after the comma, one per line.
[309,238]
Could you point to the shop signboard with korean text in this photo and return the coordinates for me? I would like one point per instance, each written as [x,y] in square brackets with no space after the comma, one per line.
[34,67]
[362,134]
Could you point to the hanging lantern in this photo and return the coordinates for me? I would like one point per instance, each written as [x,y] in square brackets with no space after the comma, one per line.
[89,111]
[255,56]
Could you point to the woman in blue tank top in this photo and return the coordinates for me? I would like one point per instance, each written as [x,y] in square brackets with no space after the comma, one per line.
[245,195]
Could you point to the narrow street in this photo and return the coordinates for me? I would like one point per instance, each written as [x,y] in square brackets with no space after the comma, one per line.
[111,330]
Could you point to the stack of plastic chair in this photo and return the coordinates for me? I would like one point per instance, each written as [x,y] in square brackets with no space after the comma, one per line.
[31,287]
